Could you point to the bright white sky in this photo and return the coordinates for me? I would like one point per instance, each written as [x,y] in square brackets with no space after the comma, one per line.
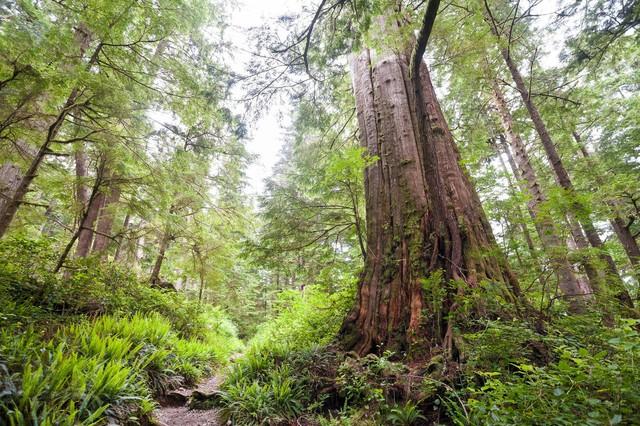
[266,135]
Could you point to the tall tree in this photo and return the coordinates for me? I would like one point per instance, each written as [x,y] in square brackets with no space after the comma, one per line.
[569,284]
[560,172]
[424,218]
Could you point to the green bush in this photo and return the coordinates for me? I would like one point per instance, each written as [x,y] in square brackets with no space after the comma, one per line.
[306,319]
[590,376]
[94,288]
[260,392]
[98,344]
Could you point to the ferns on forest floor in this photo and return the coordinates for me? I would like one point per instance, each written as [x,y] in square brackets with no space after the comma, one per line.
[97,366]
[60,367]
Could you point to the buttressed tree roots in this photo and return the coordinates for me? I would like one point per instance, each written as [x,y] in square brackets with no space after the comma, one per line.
[425,220]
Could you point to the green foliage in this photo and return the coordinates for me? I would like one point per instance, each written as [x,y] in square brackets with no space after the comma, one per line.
[284,368]
[94,288]
[111,365]
[269,385]
[59,366]
[405,415]
[305,319]
[577,373]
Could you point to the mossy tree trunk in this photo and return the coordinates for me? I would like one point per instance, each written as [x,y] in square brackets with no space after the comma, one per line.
[425,224]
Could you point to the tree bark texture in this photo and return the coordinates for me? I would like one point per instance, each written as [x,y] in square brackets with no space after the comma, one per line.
[102,236]
[423,214]
[88,223]
[564,181]
[547,231]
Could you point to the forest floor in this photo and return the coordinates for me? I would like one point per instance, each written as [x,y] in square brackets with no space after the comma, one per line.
[175,410]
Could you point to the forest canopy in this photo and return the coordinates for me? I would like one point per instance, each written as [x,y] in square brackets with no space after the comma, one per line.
[449,236]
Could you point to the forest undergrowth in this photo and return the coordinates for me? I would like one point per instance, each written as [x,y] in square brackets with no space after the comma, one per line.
[99,346]
[506,373]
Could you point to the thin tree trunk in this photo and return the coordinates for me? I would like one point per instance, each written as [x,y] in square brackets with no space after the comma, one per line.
[548,233]
[87,225]
[154,279]
[618,224]
[86,218]
[562,177]
[125,226]
[11,207]
[82,190]
[518,211]
[105,220]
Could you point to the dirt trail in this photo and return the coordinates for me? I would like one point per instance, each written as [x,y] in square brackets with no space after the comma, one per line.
[175,410]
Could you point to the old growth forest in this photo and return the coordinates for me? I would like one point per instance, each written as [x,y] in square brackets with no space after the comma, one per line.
[449,235]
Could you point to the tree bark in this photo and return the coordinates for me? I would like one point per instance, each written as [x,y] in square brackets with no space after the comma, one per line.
[82,190]
[10,176]
[518,211]
[87,225]
[11,207]
[548,233]
[86,219]
[619,225]
[562,177]
[424,219]
[154,279]
[105,220]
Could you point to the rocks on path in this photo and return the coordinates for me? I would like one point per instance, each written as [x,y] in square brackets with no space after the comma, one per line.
[175,411]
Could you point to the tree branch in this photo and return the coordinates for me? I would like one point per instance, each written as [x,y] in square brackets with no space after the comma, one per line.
[423,37]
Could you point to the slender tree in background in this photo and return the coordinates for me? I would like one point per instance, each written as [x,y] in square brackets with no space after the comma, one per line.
[621,227]
[519,219]
[561,175]
[568,283]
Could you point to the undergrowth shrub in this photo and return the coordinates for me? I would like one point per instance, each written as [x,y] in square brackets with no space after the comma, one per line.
[306,319]
[96,345]
[578,373]
[94,288]
[270,385]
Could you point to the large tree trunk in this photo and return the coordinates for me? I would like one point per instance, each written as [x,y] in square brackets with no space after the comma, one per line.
[563,179]
[556,250]
[423,215]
